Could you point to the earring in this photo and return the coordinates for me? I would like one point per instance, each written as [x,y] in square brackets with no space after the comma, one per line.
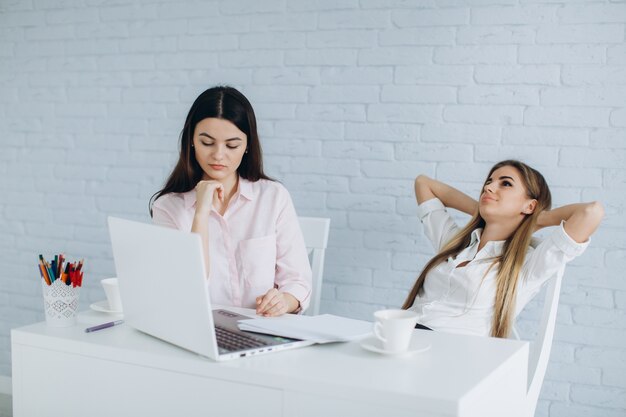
[246,150]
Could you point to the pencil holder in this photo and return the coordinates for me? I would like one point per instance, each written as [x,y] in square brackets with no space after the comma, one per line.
[60,303]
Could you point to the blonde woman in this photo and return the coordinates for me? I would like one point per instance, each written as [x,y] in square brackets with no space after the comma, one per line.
[485,273]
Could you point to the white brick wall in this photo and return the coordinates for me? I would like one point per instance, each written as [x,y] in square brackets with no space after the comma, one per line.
[354,98]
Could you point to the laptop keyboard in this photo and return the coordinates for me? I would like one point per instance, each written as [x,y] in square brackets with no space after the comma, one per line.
[232,341]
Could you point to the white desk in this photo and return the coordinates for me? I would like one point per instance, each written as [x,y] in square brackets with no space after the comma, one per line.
[122,372]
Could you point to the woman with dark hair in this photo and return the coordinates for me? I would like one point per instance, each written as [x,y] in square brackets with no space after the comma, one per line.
[486,272]
[253,248]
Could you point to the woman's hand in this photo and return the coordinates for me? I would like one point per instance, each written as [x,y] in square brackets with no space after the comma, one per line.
[206,192]
[275,303]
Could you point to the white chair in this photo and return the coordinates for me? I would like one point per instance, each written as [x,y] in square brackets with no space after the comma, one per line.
[539,353]
[315,232]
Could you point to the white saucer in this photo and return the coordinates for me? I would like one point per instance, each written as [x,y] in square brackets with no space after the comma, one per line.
[103,307]
[374,345]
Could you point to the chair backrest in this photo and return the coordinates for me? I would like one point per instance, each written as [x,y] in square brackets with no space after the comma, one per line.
[315,231]
[539,352]
[540,348]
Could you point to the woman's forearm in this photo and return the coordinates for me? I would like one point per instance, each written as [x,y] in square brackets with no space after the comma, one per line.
[427,188]
[555,216]
[581,219]
[200,225]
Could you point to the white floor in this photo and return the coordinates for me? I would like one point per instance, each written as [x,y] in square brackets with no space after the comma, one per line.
[6,406]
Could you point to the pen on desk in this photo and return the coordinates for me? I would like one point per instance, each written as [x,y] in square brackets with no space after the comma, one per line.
[103,326]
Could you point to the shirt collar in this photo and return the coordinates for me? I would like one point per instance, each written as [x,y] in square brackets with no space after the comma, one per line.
[475,236]
[492,248]
[246,190]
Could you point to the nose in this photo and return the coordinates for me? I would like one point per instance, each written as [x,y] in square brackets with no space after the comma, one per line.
[218,152]
[489,188]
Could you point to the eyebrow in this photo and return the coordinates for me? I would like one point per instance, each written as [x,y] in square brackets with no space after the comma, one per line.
[502,178]
[211,137]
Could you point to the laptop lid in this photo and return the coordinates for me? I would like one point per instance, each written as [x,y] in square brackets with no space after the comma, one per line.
[163,288]
[161,278]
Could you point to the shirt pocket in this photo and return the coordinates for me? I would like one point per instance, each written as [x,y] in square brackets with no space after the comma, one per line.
[257,258]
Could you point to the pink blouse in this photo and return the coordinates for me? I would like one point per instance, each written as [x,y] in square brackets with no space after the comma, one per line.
[255,246]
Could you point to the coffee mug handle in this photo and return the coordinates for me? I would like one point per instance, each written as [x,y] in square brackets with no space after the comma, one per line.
[377,331]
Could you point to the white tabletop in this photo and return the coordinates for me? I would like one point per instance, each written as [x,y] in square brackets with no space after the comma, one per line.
[452,371]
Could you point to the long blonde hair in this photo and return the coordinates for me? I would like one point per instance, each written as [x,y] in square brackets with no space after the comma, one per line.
[513,252]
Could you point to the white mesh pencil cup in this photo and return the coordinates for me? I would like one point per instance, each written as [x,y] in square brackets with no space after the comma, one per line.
[60,303]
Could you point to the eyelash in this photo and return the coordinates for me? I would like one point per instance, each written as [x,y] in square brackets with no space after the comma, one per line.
[228,146]
[505,183]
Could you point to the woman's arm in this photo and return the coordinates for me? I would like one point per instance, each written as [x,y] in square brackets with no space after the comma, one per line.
[205,192]
[581,219]
[200,225]
[293,277]
[427,188]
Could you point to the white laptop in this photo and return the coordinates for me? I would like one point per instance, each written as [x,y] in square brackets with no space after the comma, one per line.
[164,293]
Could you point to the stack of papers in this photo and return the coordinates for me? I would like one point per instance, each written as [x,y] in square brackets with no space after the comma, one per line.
[324,328]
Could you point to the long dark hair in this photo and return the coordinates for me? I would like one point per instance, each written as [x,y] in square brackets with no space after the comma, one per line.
[513,252]
[220,102]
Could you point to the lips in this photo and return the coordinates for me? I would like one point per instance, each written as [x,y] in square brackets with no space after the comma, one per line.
[217,167]
[486,198]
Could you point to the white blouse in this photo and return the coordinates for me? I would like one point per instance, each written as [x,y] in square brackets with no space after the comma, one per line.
[461,300]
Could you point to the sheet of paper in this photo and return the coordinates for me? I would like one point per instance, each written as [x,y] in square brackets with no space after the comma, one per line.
[321,329]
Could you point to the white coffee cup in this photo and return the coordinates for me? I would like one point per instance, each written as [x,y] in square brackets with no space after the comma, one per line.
[394,328]
[112,291]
